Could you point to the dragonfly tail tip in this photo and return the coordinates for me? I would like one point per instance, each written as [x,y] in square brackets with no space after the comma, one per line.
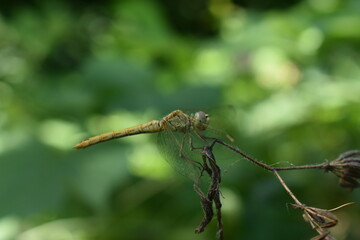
[78,146]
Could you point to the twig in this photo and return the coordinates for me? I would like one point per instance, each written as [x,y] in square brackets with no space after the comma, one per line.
[263,165]
[213,194]
[313,166]
[287,188]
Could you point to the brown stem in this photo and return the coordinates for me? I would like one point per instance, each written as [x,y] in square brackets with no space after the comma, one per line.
[263,165]
[287,188]
[314,166]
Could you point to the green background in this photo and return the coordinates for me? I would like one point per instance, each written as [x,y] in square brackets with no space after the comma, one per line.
[73,69]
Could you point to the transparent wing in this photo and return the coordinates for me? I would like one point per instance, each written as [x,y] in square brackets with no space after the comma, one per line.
[176,149]
[223,122]
[176,146]
[223,125]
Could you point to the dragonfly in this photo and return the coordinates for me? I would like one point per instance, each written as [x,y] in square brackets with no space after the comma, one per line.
[187,143]
[178,133]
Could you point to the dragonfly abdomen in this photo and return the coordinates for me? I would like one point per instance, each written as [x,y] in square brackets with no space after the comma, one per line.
[149,127]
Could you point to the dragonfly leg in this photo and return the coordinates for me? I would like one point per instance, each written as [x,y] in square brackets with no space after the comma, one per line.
[204,168]
[192,148]
[182,155]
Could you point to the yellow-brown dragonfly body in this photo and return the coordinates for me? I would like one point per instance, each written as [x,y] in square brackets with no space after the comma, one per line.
[176,121]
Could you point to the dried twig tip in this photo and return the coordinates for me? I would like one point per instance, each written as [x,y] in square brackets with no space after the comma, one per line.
[320,219]
[347,168]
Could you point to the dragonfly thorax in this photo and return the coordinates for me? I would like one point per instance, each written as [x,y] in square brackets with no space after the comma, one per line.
[178,121]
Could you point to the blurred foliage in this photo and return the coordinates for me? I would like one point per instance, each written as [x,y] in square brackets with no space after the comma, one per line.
[72,69]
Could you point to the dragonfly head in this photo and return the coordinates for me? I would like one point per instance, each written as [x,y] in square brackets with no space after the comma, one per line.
[201,120]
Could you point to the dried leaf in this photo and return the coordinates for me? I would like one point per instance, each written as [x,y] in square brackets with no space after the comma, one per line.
[347,168]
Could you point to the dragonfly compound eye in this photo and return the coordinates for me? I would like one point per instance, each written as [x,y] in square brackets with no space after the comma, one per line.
[201,120]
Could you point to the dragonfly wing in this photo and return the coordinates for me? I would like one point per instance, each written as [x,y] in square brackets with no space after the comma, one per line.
[175,148]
